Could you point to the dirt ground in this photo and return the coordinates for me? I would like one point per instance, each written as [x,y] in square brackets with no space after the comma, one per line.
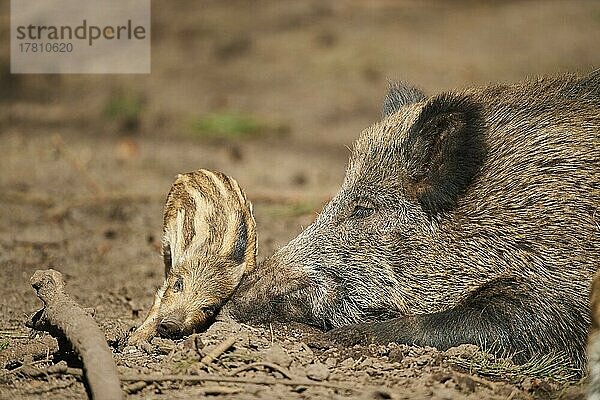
[270,93]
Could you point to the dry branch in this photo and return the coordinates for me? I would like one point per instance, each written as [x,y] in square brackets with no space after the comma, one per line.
[55,369]
[61,315]
[136,387]
[217,352]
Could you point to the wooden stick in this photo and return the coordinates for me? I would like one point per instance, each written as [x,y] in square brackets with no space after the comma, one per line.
[217,352]
[136,387]
[61,315]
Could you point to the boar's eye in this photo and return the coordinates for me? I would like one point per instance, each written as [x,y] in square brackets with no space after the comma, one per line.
[361,211]
[178,285]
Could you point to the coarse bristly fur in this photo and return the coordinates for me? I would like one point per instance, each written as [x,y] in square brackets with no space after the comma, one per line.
[209,242]
[465,217]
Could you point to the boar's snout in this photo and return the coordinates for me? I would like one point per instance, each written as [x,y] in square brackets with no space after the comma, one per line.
[170,328]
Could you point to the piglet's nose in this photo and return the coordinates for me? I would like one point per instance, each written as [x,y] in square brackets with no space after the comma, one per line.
[170,328]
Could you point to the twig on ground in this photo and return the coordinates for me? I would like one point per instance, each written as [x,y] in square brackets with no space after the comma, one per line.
[62,316]
[27,368]
[232,379]
[63,369]
[60,368]
[136,387]
[171,355]
[31,371]
[255,365]
[218,390]
[216,352]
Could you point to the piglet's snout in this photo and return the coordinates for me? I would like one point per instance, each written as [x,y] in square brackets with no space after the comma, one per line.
[170,328]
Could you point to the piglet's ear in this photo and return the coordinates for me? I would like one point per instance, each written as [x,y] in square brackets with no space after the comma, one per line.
[246,246]
[444,151]
[166,253]
[400,94]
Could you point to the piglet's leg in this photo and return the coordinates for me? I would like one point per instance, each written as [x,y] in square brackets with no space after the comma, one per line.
[147,329]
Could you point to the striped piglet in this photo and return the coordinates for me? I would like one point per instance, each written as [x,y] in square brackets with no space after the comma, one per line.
[208,243]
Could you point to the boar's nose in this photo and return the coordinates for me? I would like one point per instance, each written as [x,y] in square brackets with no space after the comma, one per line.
[170,328]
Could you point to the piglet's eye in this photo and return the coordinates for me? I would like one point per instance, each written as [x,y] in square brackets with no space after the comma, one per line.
[178,285]
[211,309]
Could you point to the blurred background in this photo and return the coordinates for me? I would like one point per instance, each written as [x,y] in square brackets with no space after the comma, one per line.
[313,70]
[270,92]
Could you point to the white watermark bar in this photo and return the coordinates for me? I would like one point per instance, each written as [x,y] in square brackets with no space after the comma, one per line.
[80,36]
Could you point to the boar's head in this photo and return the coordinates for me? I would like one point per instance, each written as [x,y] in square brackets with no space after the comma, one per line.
[360,259]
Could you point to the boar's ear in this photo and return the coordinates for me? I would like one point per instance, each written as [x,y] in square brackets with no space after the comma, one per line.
[444,150]
[398,95]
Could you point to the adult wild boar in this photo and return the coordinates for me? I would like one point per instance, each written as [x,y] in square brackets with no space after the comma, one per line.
[466,217]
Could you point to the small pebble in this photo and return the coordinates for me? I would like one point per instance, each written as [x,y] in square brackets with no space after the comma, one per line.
[422,360]
[317,371]
[347,363]
[276,354]
[331,362]
[130,349]
[368,362]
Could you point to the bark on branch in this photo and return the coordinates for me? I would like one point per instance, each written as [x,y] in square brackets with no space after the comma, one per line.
[61,315]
